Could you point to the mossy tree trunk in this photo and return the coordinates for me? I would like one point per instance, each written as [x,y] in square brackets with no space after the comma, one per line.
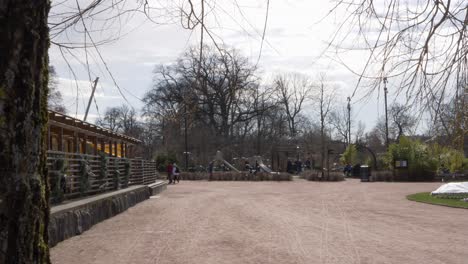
[24,190]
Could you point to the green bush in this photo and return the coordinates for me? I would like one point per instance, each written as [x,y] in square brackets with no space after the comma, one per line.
[58,181]
[103,163]
[350,155]
[421,164]
[235,176]
[385,175]
[424,160]
[127,172]
[162,160]
[116,176]
[85,172]
[448,158]
[317,176]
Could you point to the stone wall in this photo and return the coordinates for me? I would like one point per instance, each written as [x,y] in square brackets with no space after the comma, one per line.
[75,217]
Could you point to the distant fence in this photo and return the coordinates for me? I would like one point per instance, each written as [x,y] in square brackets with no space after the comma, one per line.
[447,177]
[73,175]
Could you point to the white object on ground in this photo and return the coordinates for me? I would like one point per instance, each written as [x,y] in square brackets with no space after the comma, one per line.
[452,188]
[264,167]
[219,157]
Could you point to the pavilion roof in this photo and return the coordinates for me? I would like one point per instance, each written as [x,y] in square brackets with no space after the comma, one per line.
[69,122]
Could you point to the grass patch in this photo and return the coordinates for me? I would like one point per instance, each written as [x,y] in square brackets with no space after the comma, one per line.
[426,197]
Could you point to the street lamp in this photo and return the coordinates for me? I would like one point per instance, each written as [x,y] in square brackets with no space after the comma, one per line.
[349,120]
[329,151]
[186,137]
[186,154]
[386,112]
[164,123]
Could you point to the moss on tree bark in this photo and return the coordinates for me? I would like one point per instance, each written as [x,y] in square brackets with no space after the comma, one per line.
[24,190]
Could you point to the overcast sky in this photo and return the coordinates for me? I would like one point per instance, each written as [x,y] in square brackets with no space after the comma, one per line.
[296,38]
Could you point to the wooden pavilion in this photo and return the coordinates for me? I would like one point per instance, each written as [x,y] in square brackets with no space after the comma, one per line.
[85,159]
[71,135]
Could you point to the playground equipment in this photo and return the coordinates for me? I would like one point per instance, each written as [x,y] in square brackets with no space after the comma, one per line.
[261,165]
[220,160]
[253,161]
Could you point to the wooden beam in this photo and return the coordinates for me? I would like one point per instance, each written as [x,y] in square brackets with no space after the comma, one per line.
[95,145]
[75,142]
[49,143]
[78,124]
[60,140]
[103,145]
[85,144]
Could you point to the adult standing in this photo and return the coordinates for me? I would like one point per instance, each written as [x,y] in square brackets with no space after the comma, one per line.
[169,170]
[289,167]
[175,173]
[210,169]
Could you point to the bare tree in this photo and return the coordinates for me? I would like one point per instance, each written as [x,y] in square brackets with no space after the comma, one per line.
[26,30]
[360,132]
[380,131]
[111,119]
[324,99]
[129,123]
[450,126]
[406,39]
[338,119]
[54,98]
[121,119]
[421,45]
[292,91]
[375,140]
[402,120]
[219,95]
[262,105]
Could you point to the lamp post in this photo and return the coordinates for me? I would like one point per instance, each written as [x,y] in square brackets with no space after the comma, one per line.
[349,120]
[186,137]
[329,151]
[186,154]
[386,112]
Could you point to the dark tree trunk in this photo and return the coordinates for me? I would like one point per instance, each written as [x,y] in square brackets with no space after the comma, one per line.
[24,190]
[322,140]
[322,129]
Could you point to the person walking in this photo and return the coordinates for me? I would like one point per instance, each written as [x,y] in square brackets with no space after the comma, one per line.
[169,170]
[210,169]
[289,167]
[175,173]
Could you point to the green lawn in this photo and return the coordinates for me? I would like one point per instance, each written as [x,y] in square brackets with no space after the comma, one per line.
[426,197]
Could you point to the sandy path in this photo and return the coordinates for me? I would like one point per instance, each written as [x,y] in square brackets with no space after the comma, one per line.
[271,222]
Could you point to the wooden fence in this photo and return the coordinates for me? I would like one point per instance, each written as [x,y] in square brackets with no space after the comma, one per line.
[73,175]
[448,177]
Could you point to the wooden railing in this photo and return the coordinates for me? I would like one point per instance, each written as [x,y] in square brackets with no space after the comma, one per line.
[84,175]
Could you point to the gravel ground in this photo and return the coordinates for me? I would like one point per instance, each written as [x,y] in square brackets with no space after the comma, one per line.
[277,222]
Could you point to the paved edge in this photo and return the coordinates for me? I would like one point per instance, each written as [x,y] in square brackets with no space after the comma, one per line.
[157,187]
